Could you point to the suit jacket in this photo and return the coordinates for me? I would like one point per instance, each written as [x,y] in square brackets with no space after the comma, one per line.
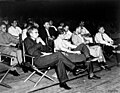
[33,48]
[44,36]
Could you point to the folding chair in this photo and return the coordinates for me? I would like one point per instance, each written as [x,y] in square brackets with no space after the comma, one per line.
[6,68]
[35,69]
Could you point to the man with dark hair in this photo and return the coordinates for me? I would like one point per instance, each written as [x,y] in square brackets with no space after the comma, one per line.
[35,48]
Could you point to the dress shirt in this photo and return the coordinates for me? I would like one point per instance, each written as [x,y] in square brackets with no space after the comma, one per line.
[15,31]
[103,39]
[77,39]
[48,34]
[6,38]
[83,30]
[63,45]
[68,35]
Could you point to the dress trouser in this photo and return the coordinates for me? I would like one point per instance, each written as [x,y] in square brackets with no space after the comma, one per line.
[56,59]
[83,49]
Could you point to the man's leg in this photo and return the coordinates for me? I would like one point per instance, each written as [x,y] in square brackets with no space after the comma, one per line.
[19,56]
[60,61]
[84,49]
[50,60]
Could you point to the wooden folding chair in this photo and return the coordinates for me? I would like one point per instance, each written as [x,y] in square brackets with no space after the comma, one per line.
[35,69]
[6,68]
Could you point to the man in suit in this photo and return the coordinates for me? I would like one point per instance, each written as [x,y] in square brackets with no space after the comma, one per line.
[48,34]
[35,48]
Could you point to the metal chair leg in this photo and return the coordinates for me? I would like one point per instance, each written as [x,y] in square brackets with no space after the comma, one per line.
[30,76]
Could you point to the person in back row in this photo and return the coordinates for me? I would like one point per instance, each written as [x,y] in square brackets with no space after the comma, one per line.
[106,42]
[14,29]
[7,43]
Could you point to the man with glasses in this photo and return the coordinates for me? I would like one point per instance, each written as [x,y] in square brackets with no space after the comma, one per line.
[7,43]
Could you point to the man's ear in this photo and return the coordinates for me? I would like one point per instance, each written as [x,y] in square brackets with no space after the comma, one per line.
[30,34]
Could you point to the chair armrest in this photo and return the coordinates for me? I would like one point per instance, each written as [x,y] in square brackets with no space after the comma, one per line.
[29,56]
[10,56]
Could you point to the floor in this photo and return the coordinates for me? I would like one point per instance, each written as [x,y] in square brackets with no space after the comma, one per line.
[109,82]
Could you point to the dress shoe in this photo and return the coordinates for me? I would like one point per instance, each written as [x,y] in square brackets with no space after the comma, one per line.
[94,77]
[104,66]
[107,68]
[78,71]
[25,70]
[65,86]
[15,73]
[24,67]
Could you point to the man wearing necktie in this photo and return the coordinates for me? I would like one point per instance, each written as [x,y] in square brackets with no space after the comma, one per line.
[102,38]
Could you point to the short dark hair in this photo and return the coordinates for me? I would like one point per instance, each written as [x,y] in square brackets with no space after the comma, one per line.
[2,23]
[31,29]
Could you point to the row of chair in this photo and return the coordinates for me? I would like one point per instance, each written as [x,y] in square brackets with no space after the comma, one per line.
[27,59]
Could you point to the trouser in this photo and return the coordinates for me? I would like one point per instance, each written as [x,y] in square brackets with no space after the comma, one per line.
[83,49]
[17,59]
[59,61]
[108,50]
[96,51]
[75,58]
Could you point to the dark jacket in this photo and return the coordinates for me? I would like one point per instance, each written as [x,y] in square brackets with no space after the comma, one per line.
[33,48]
[44,36]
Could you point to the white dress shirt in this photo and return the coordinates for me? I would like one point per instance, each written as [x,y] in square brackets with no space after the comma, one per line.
[95,50]
[103,39]
[68,35]
[15,31]
[83,30]
[63,45]
[24,34]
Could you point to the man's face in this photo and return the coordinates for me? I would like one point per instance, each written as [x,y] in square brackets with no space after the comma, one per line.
[46,25]
[34,34]
[14,23]
[3,28]
[101,30]
[66,28]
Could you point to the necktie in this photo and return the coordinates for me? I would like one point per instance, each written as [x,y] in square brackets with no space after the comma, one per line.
[102,37]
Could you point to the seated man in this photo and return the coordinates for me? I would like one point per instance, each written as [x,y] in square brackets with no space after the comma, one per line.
[103,39]
[79,54]
[68,33]
[95,50]
[35,48]
[7,41]
[14,29]
[84,32]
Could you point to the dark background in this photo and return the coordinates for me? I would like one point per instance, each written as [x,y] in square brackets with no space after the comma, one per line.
[90,11]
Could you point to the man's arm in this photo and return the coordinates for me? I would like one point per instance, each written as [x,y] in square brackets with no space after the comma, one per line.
[31,48]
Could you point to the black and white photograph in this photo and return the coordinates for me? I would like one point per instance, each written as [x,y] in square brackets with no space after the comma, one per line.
[59,46]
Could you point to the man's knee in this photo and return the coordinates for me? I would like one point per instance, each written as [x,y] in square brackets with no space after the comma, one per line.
[13,54]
